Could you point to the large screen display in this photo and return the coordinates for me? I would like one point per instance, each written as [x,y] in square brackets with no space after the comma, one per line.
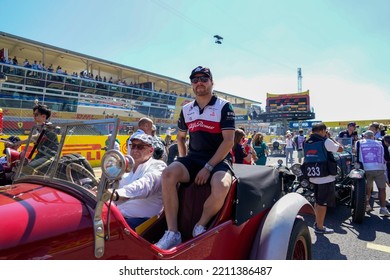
[295,102]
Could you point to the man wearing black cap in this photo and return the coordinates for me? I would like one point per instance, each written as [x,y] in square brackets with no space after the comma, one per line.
[209,120]
[349,132]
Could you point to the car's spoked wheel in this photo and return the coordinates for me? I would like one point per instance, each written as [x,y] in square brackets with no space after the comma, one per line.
[299,246]
[79,169]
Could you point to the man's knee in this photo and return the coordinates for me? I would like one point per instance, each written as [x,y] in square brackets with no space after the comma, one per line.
[174,173]
[221,182]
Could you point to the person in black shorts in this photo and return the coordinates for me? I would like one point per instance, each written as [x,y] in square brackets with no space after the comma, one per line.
[209,120]
[322,174]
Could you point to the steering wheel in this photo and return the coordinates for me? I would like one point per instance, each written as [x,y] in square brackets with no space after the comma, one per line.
[80,169]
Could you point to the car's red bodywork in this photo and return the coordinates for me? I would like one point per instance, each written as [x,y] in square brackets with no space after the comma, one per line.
[53,215]
[47,223]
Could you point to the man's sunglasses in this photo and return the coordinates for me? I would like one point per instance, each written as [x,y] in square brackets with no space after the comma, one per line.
[138,146]
[202,79]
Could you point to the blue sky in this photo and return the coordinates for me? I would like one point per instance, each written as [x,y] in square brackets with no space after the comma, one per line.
[342,47]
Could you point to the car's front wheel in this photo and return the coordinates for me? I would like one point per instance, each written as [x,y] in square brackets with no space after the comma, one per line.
[299,246]
[358,202]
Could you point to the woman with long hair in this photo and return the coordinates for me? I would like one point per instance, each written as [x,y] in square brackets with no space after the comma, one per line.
[238,151]
[261,148]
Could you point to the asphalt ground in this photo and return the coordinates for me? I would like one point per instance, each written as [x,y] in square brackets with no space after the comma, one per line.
[369,240]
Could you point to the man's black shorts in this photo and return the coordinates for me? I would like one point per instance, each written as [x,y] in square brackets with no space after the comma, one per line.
[325,194]
[194,165]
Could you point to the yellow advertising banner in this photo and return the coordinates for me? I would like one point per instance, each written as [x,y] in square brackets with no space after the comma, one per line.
[88,146]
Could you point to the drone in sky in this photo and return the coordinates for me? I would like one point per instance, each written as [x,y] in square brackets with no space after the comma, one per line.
[218,39]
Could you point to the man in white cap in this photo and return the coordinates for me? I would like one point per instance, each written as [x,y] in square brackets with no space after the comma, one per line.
[145,125]
[139,194]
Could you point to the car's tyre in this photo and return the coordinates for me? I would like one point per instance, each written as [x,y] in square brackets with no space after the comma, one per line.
[299,246]
[358,201]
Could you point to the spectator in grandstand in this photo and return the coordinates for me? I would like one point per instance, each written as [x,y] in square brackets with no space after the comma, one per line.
[35,65]
[208,159]
[15,61]
[26,63]
[40,66]
[139,194]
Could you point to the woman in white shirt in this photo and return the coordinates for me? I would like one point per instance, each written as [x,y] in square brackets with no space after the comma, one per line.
[289,149]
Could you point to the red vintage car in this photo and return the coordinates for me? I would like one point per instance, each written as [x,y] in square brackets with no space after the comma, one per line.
[51,212]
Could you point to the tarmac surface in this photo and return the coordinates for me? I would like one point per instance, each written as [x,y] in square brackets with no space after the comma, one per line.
[369,240]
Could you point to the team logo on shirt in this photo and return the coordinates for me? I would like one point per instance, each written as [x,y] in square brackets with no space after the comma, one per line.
[200,124]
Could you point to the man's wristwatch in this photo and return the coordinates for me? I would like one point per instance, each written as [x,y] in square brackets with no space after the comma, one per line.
[209,167]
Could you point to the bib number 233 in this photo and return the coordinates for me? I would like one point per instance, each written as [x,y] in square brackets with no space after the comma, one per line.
[313,171]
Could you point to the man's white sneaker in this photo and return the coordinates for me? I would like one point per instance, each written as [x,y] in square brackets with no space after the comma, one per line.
[170,239]
[198,229]
[384,212]
[368,208]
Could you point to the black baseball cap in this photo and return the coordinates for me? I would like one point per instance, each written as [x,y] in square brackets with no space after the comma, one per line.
[201,70]
[352,124]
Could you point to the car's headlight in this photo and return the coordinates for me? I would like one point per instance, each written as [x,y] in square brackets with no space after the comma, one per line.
[129,163]
[12,156]
[356,175]
[296,169]
[305,183]
[113,164]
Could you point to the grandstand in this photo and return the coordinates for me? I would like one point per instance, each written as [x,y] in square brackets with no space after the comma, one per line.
[77,86]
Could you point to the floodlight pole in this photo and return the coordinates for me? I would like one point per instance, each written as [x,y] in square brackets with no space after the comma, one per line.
[299,80]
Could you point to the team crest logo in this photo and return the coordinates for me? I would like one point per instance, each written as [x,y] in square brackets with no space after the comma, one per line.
[20,124]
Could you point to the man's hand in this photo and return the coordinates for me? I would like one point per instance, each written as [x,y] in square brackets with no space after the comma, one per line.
[202,176]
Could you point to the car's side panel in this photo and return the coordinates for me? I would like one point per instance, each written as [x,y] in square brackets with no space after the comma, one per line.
[42,222]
